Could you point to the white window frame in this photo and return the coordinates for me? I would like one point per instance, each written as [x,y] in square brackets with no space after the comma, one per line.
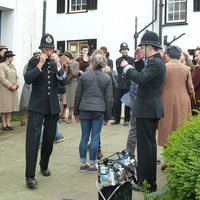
[79,6]
[175,10]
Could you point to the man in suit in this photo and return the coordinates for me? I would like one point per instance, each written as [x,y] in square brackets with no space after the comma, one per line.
[148,105]
[43,72]
[123,86]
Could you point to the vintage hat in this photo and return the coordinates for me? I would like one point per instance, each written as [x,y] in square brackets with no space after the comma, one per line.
[104,49]
[47,41]
[123,45]
[68,54]
[9,54]
[2,47]
[150,38]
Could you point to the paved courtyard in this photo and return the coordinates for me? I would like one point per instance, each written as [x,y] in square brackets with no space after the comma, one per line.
[66,181]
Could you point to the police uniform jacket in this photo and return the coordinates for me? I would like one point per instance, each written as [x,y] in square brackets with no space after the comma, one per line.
[44,94]
[122,81]
[150,81]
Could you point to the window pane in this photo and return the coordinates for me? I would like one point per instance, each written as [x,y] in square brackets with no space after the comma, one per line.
[170,17]
[170,7]
[79,7]
[176,16]
[176,7]
[73,8]
[183,6]
[84,7]
[182,16]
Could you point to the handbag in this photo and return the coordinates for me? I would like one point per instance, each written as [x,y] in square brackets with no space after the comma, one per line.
[115,175]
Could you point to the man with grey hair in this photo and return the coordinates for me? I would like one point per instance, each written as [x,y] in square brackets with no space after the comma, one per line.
[173,52]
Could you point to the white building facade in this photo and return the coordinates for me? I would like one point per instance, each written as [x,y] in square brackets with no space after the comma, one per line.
[21,29]
[96,22]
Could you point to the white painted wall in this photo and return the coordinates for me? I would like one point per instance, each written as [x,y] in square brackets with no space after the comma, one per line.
[21,30]
[112,23]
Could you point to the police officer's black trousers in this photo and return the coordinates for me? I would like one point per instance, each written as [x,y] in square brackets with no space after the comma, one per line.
[33,132]
[118,105]
[147,149]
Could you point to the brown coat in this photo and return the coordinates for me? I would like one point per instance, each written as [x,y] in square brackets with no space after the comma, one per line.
[177,90]
[8,98]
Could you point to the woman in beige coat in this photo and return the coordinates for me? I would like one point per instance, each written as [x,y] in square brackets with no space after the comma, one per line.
[72,71]
[177,90]
[9,84]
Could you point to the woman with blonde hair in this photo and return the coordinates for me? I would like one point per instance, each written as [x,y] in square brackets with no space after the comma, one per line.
[185,59]
[93,107]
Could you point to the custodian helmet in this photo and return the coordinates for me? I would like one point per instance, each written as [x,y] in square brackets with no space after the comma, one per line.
[123,45]
[150,38]
[47,41]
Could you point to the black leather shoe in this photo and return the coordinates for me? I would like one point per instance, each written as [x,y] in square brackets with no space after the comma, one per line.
[45,172]
[126,123]
[158,162]
[31,182]
[115,122]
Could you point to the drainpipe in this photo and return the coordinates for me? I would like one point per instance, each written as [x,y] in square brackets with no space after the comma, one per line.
[160,19]
[136,34]
[44,17]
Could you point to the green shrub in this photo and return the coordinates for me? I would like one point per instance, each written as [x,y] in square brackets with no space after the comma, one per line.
[182,156]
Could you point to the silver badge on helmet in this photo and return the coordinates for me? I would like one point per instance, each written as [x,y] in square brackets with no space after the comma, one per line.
[48,39]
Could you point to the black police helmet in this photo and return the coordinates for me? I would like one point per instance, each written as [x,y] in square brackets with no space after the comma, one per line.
[150,38]
[123,45]
[47,41]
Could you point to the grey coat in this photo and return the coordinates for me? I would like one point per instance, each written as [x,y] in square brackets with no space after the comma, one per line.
[25,95]
[94,93]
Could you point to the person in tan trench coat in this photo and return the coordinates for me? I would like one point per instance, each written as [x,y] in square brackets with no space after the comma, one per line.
[177,90]
[9,84]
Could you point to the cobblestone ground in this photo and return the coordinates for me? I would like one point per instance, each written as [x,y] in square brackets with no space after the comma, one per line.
[66,181]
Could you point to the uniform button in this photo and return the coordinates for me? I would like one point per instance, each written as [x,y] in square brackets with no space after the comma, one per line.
[48,87]
[49,82]
[48,93]
[48,76]
[49,67]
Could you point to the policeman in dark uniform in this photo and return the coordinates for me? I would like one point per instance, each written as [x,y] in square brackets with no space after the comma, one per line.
[123,86]
[44,73]
[148,105]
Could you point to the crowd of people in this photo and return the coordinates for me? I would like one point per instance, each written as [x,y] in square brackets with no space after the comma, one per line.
[159,87]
